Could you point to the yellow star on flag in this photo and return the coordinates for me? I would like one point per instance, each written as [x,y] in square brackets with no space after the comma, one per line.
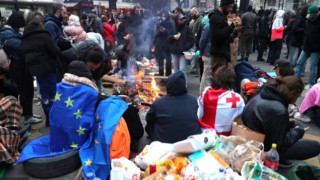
[88,162]
[46,102]
[40,96]
[99,127]
[69,102]
[96,142]
[57,96]
[81,130]
[97,117]
[74,146]
[78,114]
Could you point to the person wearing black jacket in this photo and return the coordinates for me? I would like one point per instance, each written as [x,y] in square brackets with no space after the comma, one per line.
[173,117]
[262,34]
[41,59]
[267,113]
[221,34]
[297,35]
[164,29]
[311,46]
[182,40]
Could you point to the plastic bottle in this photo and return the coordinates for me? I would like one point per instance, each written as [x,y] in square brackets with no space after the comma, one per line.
[272,158]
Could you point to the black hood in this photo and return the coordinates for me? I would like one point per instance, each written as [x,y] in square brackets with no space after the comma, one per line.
[34,30]
[271,93]
[176,84]
[51,17]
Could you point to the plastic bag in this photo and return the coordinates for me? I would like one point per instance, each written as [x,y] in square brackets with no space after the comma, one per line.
[225,144]
[196,142]
[124,169]
[152,153]
[250,151]
[254,170]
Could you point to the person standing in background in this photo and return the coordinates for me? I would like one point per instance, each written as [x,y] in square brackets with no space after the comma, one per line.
[53,22]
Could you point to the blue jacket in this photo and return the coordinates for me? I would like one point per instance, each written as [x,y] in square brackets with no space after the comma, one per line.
[173,118]
[54,26]
[12,45]
[205,43]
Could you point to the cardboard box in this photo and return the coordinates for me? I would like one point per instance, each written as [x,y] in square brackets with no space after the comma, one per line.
[239,129]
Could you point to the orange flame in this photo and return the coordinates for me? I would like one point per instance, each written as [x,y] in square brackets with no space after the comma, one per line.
[148,92]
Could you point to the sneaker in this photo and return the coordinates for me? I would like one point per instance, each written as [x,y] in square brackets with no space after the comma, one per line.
[304,118]
[32,120]
[308,86]
[37,116]
[286,164]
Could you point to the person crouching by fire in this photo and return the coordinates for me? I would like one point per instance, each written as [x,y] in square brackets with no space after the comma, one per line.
[173,117]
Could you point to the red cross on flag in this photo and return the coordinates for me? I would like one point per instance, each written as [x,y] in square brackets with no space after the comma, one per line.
[218,108]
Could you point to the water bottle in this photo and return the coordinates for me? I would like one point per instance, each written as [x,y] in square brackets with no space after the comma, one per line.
[272,158]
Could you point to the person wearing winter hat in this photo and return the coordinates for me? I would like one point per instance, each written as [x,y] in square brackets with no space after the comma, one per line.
[222,34]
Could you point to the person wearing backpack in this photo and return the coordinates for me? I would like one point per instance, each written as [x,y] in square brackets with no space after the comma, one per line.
[94,24]
[11,38]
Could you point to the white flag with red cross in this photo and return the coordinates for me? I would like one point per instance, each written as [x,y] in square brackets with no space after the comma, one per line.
[218,108]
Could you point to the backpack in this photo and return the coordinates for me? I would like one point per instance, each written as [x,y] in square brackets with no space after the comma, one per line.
[4,58]
[90,23]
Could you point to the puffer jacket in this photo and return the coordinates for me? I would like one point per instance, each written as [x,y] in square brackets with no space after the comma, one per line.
[12,45]
[41,57]
[267,113]
[54,26]
[76,33]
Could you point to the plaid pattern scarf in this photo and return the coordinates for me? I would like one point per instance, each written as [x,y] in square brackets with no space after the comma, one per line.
[10,113]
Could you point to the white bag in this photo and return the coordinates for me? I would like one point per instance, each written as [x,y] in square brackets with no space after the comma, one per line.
[152,153]
[124,169]
[196,142]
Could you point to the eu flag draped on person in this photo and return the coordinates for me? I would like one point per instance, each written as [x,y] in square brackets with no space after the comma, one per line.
[95,153]
[70,117]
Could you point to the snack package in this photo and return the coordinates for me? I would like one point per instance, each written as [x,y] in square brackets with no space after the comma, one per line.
[250,151]
[254,170]
[196,142]
[153,153]
[124,169]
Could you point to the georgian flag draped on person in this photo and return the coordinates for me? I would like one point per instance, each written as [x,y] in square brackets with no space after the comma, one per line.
[70,118]
[97,152]
[218,108]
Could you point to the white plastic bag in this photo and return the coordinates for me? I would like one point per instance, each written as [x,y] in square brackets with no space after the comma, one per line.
[124,169]
[196,142]
[152,153]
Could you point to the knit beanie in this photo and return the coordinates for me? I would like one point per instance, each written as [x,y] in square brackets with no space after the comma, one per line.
[226,3]
[79,69]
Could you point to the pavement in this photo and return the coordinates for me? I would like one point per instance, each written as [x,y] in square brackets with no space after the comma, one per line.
[16,172]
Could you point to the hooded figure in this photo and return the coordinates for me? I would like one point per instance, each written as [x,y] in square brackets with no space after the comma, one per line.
[173,117]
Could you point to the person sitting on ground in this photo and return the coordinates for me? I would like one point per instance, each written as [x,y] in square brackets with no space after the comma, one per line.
[173,118]
[282,68]
[267,113]
[219,105]
[310,107]
[10,113]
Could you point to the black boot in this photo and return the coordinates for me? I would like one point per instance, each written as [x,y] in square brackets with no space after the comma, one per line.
[47,119]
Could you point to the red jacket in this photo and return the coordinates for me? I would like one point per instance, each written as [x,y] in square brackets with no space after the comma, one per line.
[108,31]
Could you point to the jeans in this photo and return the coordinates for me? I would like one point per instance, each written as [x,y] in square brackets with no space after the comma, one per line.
[179,64]
[160,56]
[293,55]
[301,150]
[246,42]
[194,64]
[207,73]
[314,59]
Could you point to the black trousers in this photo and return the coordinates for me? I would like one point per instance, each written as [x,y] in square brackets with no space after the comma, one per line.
[301,150]
[24,81]
[274,51]
[262,45]
[162,54]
